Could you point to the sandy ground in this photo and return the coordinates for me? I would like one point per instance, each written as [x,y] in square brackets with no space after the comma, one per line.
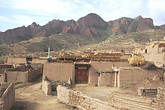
[32,98]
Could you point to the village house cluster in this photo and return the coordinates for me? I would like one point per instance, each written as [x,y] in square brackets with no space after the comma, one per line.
[105,68]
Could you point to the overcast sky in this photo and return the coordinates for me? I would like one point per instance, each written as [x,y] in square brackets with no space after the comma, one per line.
[16,13]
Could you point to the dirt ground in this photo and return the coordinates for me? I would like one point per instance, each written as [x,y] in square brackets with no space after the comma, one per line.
[101,93]
[30,97]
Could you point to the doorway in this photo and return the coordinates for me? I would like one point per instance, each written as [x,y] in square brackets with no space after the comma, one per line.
[81,73]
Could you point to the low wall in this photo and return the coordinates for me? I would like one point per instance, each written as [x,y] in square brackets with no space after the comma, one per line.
[151,92]
[131,102]
[46,86]
[81,100]
[7,98]
[161,99]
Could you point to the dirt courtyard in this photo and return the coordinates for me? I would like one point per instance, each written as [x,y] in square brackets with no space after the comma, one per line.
[30,97]
[101,93]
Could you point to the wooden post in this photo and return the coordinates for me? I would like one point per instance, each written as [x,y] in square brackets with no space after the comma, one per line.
[115,80]
[118,79]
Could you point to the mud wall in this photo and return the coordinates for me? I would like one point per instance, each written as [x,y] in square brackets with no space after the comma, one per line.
[7,98]
[16,60]
[157,58]
[100,65]
[59,71]
[2,78]
[129,76]
[18,76]
[34,73]
[106,79]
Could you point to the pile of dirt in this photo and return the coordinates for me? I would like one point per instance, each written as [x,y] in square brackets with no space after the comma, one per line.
[54,84]
[149,66]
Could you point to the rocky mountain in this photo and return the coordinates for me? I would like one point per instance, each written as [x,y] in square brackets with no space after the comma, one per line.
[125,25]
[89,28]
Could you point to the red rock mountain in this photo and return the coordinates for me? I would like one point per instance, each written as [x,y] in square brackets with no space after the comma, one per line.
[91,25]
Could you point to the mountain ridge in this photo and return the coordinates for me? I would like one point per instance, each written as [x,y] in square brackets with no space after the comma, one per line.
[91,25]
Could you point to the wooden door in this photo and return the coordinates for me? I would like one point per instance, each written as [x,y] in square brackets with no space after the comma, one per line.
[81,76]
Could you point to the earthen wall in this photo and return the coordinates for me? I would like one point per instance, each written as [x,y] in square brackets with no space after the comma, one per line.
[7,98]
[59,71]
[106,79]
[16,60]
[130,76]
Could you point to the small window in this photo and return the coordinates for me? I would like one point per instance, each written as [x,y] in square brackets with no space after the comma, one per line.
[145,50]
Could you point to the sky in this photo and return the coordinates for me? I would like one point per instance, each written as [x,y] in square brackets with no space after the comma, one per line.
[16,13]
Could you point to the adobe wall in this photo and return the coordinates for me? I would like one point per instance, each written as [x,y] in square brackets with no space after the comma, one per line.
[16,60]
[157,58]
[39,61]
[106,79]
[2,78]
[96,65]
[17,76]
[33,74]
[59,71]
[81,100]
[129,76]
[130,102]
[46,86]
[7,98]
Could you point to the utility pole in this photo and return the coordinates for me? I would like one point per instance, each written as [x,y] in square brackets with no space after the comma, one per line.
[49,52]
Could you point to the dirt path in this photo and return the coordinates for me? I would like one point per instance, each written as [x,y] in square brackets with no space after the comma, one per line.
[32,98]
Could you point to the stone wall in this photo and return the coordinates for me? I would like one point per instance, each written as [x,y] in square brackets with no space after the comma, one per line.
[46,86]
[7,98]
[161,98]
[131,102]
[81,100]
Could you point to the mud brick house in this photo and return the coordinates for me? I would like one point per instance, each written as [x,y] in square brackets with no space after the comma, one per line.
[24,73]
[154,52]
[3,68]
[102,70]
